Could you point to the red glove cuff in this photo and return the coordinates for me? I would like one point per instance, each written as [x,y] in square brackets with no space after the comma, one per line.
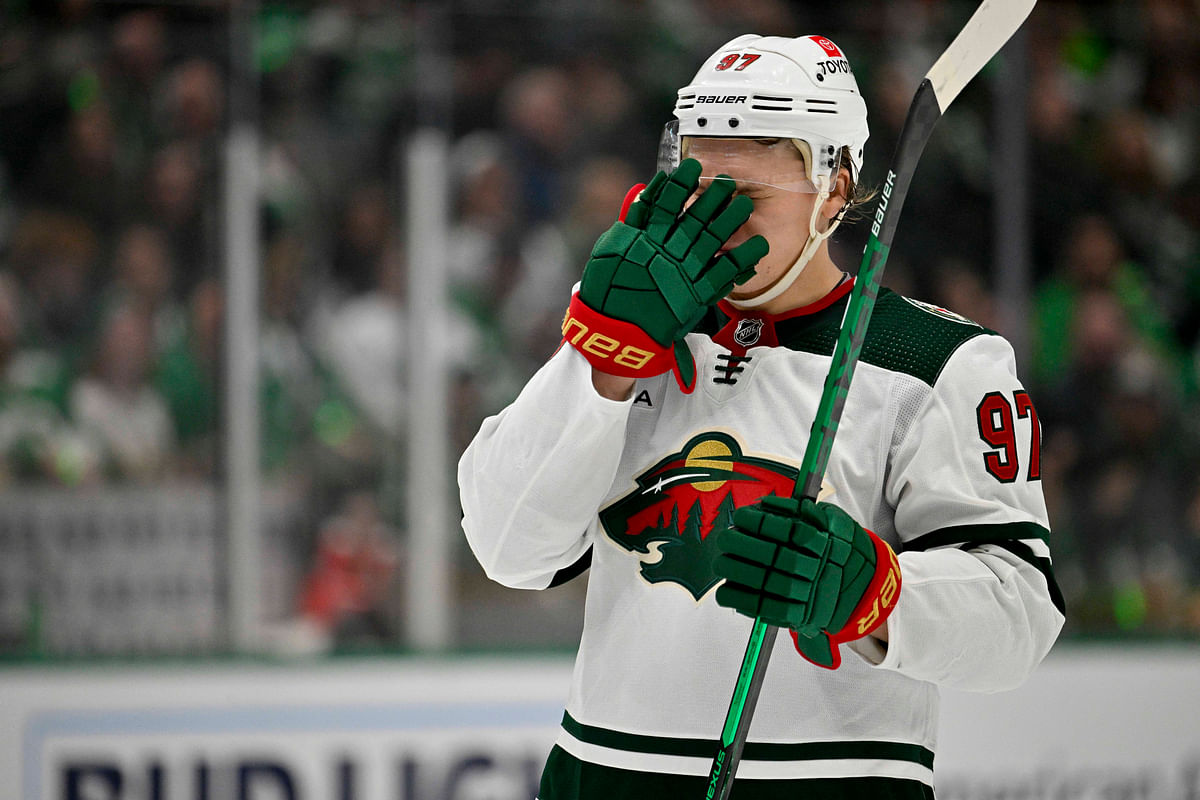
[615,346]
[878,600]
[877,603]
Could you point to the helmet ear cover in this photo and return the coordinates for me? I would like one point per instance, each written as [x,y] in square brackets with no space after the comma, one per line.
[840,162]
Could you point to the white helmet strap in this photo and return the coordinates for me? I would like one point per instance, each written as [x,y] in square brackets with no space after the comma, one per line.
[815,237]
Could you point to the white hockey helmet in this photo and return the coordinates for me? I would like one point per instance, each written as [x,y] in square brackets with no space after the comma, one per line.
[801,89]
[772,86]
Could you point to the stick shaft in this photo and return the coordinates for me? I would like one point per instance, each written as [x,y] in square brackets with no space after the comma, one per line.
[922,114]
[992,24]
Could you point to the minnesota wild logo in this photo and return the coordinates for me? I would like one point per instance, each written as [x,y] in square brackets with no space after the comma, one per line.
[944,313]
[682,499]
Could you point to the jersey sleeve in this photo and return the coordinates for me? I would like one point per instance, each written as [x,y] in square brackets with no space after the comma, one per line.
[532,478]
[980,607]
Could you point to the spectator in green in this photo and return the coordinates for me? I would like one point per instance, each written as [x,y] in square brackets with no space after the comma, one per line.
[1095,260]
[187,376]
[115,403]
[35,442]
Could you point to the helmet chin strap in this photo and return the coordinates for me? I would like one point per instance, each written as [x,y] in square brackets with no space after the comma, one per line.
[815,238]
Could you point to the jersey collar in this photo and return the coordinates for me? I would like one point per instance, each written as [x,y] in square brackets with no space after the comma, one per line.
[744,328]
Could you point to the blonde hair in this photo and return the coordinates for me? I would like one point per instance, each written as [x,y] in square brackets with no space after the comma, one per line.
[858,195]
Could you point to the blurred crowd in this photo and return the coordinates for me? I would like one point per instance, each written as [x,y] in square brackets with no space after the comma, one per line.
[112,123]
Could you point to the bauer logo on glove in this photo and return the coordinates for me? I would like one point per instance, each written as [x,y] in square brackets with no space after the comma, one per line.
[809,567]
[653,275]
[613,346]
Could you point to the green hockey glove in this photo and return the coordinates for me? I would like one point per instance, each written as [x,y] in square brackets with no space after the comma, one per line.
[652,276]
[809,567]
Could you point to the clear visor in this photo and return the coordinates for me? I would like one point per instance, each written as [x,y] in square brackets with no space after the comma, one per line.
[669,145]
[744,185]
[751,163]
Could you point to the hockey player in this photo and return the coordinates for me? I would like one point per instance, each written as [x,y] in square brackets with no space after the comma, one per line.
[660,445]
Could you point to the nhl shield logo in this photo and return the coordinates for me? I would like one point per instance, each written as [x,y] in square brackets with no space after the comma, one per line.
[667,519]
[748,332]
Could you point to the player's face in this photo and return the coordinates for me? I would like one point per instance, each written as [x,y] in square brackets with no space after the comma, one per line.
[773,176]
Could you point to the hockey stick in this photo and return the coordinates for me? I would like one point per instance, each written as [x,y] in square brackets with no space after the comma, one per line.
[992,24]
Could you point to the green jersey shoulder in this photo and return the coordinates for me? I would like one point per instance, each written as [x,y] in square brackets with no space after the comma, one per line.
[904,335]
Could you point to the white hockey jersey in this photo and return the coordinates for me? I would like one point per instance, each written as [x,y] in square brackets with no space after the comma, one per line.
[937,452]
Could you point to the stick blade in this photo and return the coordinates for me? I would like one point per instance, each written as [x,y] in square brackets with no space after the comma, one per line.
[992,24]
